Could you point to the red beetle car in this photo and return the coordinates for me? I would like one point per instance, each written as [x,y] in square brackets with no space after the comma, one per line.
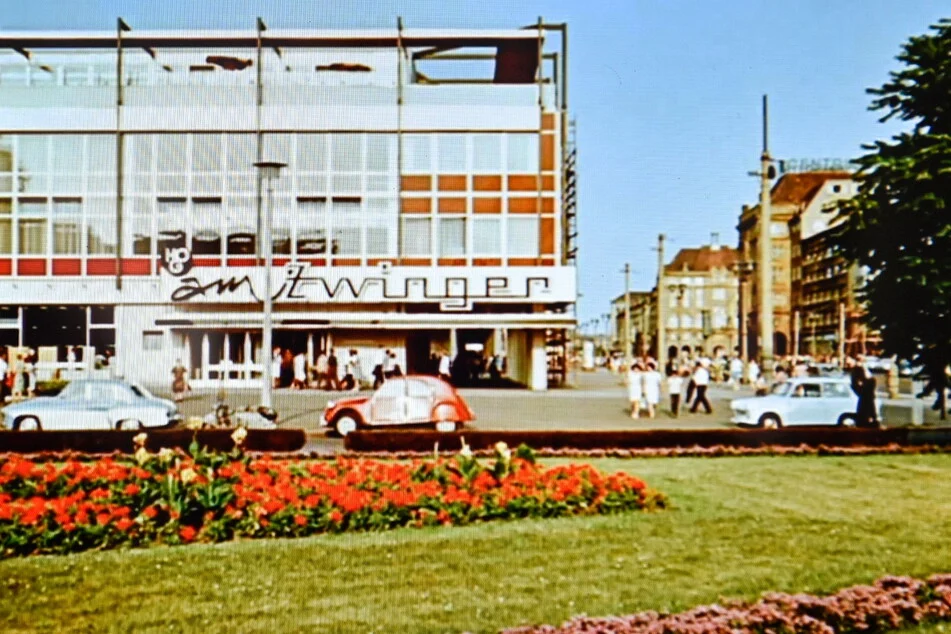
[409,400]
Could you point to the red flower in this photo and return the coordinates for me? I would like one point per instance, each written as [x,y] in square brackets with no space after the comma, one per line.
[124,524]
[300,520]
[187,533]
[131,489]
[336,516]
[150,512]
[102,519]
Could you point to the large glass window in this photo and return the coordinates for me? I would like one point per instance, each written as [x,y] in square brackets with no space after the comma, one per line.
[67,225]
[67,163]
[242,152]
[172,222]
[452,152]
[381,226]
[312,152]
[417,239]
[101,226]
[346,226]
[487,153]
[486,236]
[452,237]
[381,152]
[6,225]
[33,163]
[417,153]
[206,226]
[6,163]
[347,152]
[523,152]
[242,226]
[311,226]
[522,237]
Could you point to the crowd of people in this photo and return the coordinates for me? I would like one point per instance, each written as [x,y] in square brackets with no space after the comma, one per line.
[18,379]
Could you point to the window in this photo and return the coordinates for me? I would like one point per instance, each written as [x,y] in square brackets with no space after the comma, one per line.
[242,152]
[416,237]
[452,152]
[346,226]
[172,219]
[347,152]
[152,340]
[380,152]
[67,222]
[311,226]
[522,237]
[417,153]
[206,236]
[452,237]
[523,152]
[719,294]
[486,236]
[487,153]
[312,152]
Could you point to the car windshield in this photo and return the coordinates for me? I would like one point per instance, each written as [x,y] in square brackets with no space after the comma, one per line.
[139,390]
[780,389]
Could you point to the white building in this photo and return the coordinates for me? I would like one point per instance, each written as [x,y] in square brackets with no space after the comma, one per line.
[425,205]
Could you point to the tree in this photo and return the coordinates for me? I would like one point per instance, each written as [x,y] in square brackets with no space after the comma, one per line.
[898,226]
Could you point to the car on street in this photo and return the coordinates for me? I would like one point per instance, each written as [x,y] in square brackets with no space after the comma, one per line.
[800,401]
[414,400]
[92,404]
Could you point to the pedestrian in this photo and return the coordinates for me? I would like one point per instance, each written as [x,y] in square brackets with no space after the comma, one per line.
[863,385]
[445,367]
[752,372]
[736,373]
[29,372]
[701,379]
[287,368]
[675,385]
[276,367]
[4,376]
[389,360]
[652,383]
[300,371]
[322,367]
[333,370]
[635,388]
[179,381]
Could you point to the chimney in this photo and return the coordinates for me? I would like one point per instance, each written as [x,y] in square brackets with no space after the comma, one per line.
[714,241]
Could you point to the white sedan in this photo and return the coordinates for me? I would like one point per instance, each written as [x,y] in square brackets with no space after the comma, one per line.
[800,401]
[92,404]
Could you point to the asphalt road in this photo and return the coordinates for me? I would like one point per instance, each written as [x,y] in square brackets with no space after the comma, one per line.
[597,401]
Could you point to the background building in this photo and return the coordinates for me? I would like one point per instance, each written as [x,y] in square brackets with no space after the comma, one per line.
[643,321]
[427,203]
[701,290]
[793,194]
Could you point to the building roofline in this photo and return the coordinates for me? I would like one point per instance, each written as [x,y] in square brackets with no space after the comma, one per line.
[248,38]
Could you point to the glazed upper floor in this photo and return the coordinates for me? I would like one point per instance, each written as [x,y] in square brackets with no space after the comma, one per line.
[296,80]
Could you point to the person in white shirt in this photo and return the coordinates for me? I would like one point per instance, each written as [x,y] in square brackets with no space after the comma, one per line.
[4,370]
[635,388]
[675,386]
[701,378]
[736,372]
[444,366]
[752,372]
[652,381]
[300,371]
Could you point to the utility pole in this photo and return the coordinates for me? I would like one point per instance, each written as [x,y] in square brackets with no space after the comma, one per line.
[765,253]
[627,316]
[841,334]
[661,326]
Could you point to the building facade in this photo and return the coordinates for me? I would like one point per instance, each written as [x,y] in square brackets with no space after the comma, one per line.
[701,292]
[791,196]
[643,321]
[423,206]
[828,319]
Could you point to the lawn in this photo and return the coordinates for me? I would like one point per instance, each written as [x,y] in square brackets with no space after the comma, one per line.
[739,526]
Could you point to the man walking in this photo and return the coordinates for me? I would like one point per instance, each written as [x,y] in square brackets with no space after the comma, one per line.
[701,380]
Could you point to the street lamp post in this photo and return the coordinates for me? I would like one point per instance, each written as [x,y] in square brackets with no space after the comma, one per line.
[269,171]
[765,308]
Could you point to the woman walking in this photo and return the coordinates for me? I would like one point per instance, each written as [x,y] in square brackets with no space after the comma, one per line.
[179,382]
[652,381]
[635,388]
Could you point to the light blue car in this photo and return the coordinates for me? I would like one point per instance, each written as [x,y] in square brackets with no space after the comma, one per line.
[92,404]
[800,401]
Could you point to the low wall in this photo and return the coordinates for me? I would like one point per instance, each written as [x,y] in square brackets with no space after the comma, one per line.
[280,440]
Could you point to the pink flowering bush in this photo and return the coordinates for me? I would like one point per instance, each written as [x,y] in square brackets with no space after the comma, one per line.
[891,603]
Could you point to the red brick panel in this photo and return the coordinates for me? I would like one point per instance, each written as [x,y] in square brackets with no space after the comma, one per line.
[548,121]
[547,236]
[67,266]
[530,205]
[452,183]
[487,261]
[136,266]
[452,205]
[529,182]
[31,266]
[6,266]
[487,183]
[416,183]
[487,205]
[452,261]
[101,266]
[548,152]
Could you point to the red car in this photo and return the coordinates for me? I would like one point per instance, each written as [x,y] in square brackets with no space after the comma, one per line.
[409,400]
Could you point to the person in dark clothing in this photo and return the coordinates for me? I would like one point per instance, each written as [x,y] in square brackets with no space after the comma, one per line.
[863,385]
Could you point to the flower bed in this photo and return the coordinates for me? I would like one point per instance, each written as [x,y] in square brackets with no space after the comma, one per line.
[890,604]
[177,497]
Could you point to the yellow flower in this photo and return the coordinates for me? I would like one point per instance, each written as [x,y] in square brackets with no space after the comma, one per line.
[142,455]
[466,451]
[140,439]
[503,451]
[239,435]
[194,422]
[165,454]
[188,474]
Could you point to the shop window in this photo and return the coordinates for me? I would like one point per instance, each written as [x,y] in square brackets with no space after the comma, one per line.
[152,340]
[102,314]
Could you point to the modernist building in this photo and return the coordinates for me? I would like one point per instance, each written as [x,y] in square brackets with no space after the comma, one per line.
[828,319]
[793,194]
[701,291]
[427,200]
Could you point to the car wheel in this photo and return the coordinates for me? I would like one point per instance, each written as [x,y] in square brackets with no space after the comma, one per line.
[447,426]
[27,423]
[128,425]
[344,425]
[770,421]
[846,420]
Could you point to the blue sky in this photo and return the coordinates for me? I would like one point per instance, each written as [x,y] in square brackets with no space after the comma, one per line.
[666,95]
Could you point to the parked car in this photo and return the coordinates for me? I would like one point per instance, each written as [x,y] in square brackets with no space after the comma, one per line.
[800,401]
[411,400]
[93,404]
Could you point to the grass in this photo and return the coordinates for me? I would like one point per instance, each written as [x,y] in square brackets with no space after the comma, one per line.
[740,526]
